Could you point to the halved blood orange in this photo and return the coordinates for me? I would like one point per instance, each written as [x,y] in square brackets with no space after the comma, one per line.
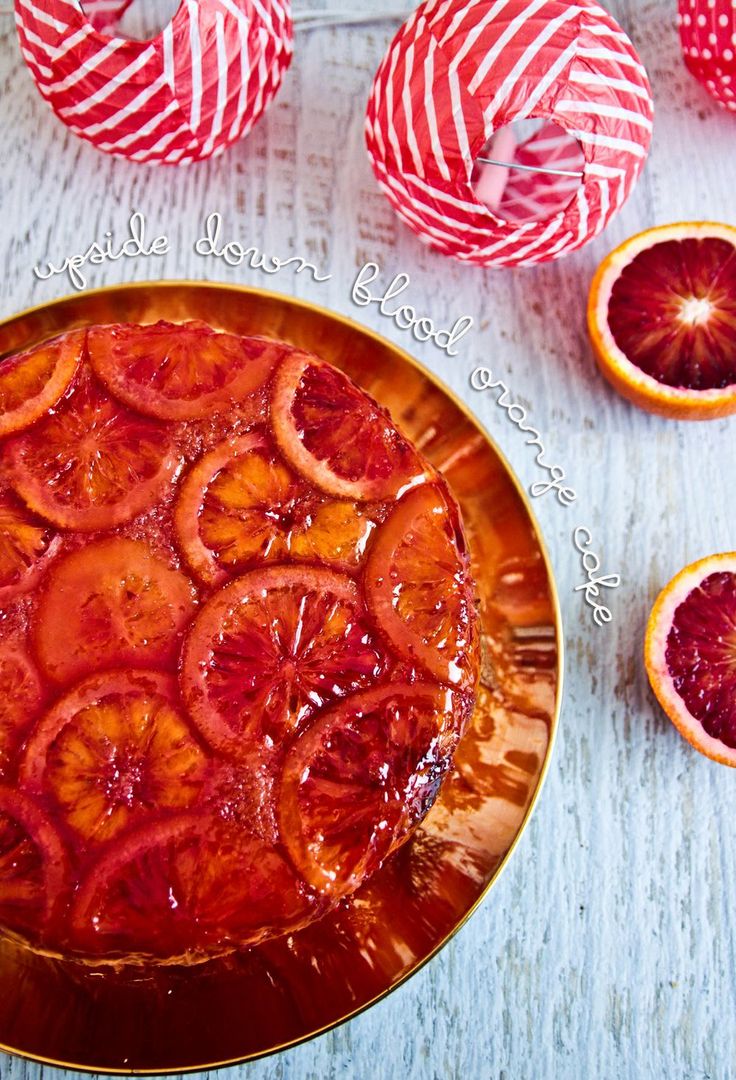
[356,781]
[90,464]
[419,588]
[27,544]
[690,654]
[33,865]
[115,751]
[662,320]
[270,649]
[179,372]
[336,435]
[112,603]
[241,505]
[186,887]
[34,381]
[21,695]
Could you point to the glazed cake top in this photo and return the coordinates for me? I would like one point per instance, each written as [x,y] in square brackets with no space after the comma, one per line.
[238,640]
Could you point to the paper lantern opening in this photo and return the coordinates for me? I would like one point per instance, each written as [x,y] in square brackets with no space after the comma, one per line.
[182,96]
[542,175]
[458,72]
[136,20]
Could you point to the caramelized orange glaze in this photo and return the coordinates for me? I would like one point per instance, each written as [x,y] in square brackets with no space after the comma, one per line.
[238,643]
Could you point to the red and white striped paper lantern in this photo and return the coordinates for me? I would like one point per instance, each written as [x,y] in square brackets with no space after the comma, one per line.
[708,39]
[186,95]
[460,70]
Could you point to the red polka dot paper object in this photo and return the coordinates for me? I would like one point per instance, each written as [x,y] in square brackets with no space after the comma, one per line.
[457,73]
[185,95]
[708,38]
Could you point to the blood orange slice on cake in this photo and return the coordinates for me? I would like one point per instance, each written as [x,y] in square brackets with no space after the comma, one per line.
[241,505]
[33,865]
[32,382]
[21,695]
[335,435]
[111,603]
[269,650]
[361,776]
[179,372]
[690,654]
[91,464]
[27,544]
[185,887]
[419,587]
[662,320]
[114,751]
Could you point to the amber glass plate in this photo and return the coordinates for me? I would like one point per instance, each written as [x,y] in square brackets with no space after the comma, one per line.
[279,993]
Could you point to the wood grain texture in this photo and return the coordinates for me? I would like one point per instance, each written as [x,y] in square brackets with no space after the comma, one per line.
[607,949]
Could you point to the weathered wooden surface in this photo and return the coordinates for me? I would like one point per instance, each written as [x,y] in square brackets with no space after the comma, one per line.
[607,949]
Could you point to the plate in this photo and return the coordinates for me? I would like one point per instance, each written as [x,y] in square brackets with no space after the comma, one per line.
[284,991]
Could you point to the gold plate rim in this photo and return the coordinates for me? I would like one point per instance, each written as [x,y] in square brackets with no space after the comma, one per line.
[460,404]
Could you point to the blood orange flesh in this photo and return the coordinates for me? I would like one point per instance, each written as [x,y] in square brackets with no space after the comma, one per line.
[272,648]
[91,464]
[21,695]
[33,865]
[241,505]
[187,885]
[114,752]
[111,603]
[26,545]
[691,654]
[662,319]
[361,776]
[672,311]
[34,381]
[419,588]
[179,372]
[335,435]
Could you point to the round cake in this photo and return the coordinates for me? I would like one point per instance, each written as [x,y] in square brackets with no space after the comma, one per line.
[238,641]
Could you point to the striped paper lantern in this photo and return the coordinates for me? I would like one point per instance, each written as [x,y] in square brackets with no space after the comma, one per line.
[184,96]
[460,70]
[708,38]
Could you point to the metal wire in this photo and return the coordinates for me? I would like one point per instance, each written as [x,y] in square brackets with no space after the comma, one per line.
[530,168]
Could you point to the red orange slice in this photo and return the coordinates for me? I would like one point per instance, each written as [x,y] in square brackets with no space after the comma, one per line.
[179,372]
[270,649]
[91,464]
[241,505]
[27,544]
[361,776]
[182,887]
[335,435]
[111,603]
[112,753]
[21,695]
[690,654]
[419,588]
[33,864]
[662,320]
[32,382]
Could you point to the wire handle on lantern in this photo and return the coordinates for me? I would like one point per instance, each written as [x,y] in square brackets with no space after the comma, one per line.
[529,168]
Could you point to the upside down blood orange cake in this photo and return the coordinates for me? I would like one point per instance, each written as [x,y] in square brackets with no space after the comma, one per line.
[238,641]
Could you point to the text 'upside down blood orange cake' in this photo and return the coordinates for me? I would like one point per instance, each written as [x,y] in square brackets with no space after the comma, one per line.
[238,641]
